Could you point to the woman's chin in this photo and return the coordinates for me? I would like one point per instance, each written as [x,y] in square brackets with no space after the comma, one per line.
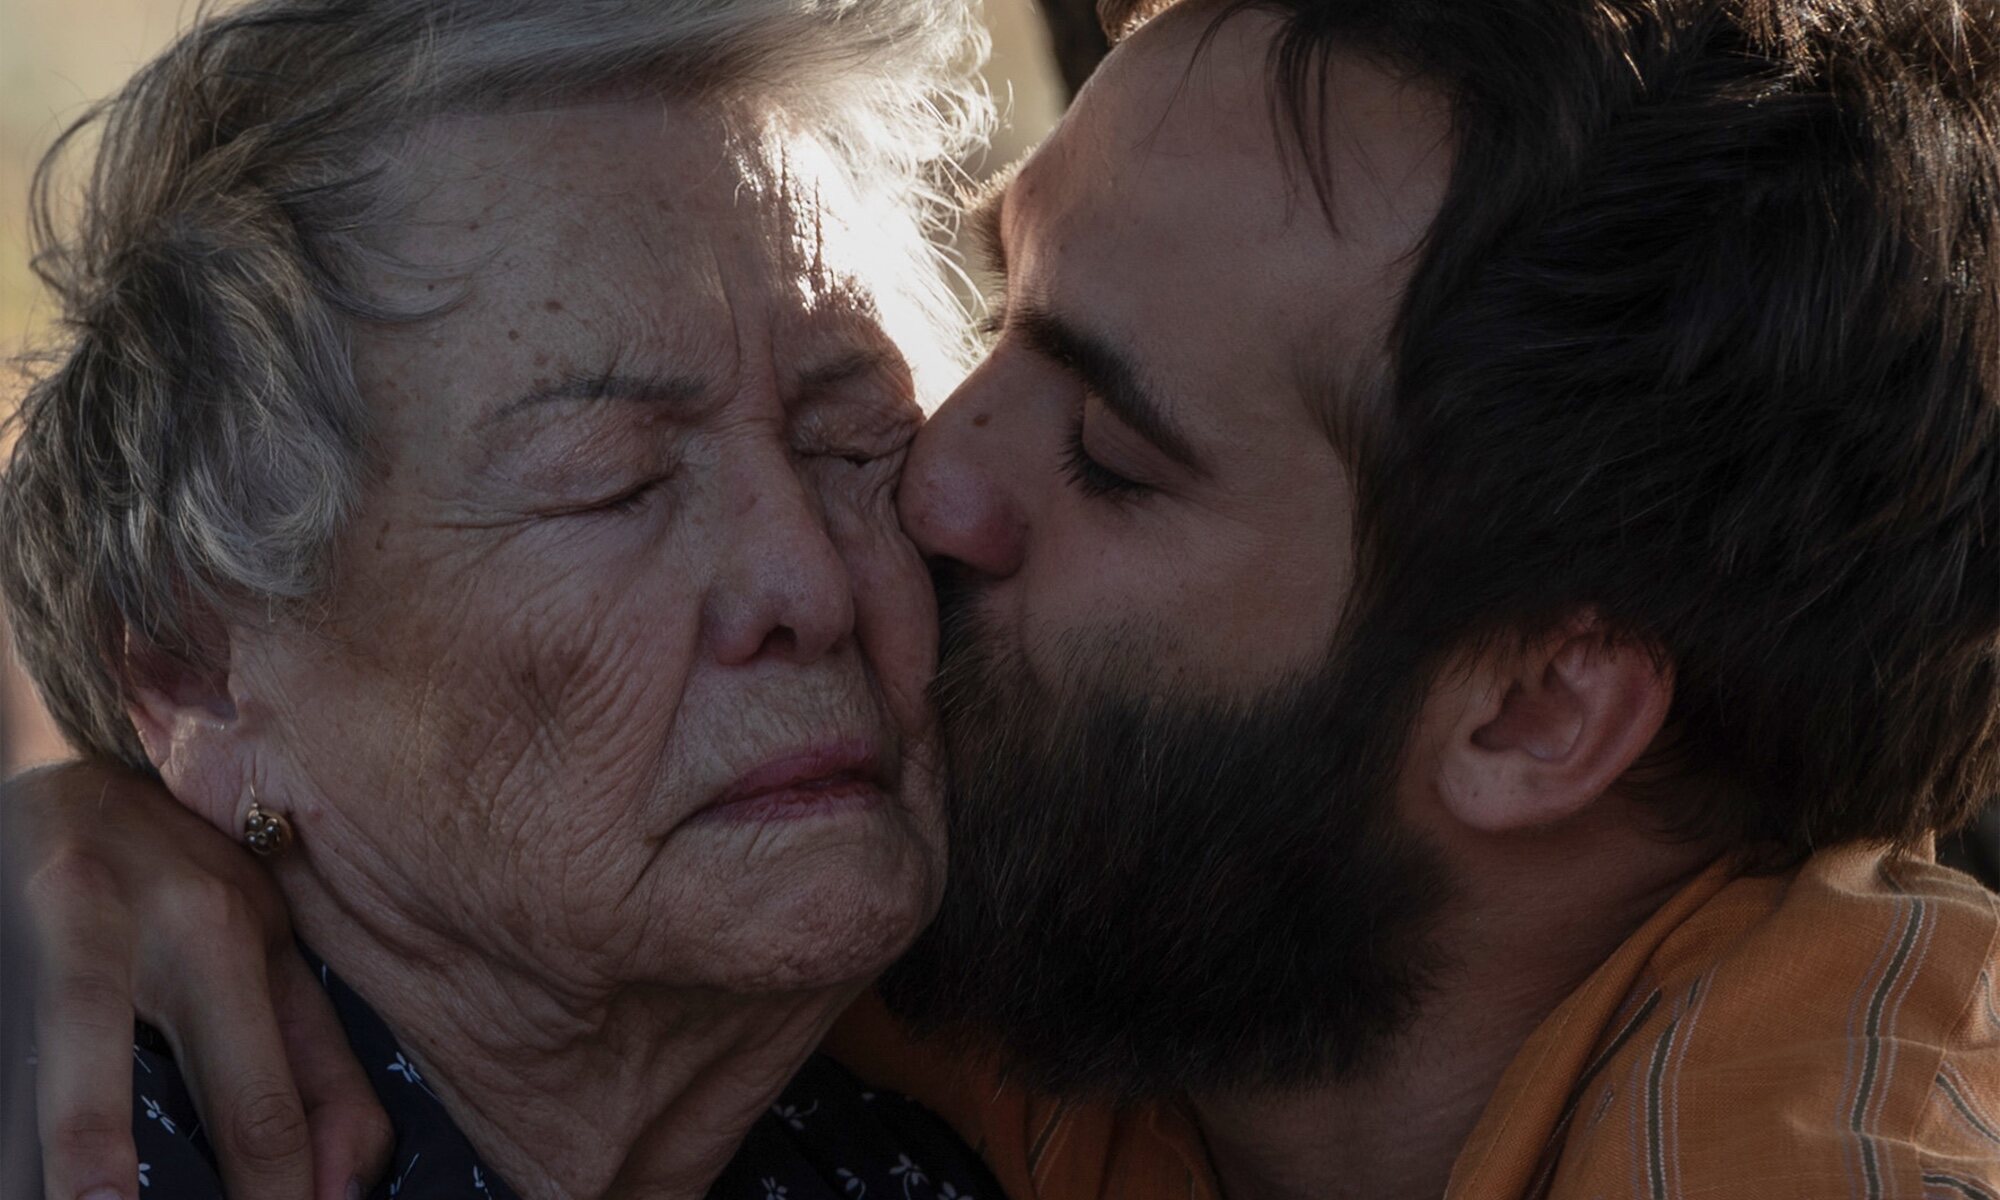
[811,909]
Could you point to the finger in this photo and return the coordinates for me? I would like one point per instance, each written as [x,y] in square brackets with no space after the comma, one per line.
[352,1139]
[83,1030]
[234,1058]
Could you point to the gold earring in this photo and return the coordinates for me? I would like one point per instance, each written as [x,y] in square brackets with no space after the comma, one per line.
[267,833]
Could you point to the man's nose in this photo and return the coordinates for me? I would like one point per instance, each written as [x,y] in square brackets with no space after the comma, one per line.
[959,497]
[783,589]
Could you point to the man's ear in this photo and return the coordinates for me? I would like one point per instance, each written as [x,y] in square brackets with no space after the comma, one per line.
[1532,734]
[186,717]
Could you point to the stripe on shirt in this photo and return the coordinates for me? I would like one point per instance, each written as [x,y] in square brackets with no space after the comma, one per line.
[1953,1187]
[1691,1009]
[1871,1058]
[1656,1167]
[1552,1153]
[1966,1109]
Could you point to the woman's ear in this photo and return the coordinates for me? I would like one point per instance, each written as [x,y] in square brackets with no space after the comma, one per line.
[187,720]
[1535,733]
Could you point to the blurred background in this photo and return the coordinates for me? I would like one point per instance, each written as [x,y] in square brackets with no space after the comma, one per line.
[56,56]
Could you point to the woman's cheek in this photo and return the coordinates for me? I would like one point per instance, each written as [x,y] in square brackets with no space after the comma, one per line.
[895,608]
[575,688]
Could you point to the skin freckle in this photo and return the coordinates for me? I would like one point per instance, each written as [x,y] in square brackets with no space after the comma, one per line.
[552,305]
[982,420]
[513,335]
[541,358]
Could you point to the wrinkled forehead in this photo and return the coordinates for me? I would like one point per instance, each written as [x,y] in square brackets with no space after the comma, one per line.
[554,250]
[627,207]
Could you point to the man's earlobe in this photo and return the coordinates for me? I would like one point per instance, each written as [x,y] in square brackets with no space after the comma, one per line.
[1539,732]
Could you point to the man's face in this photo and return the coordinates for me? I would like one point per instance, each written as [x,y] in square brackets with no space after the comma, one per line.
[1168,268]
[1168,780]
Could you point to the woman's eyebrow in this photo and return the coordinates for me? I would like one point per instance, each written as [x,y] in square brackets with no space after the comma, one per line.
[658,389]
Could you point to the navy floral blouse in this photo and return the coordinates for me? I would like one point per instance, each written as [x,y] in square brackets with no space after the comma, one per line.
[828,1136]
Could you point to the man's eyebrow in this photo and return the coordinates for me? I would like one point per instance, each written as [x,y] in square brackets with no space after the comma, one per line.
[666,390]
[1116,380]
[982,217]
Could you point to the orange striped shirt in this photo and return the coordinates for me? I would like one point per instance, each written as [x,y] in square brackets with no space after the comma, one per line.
[1830,1032]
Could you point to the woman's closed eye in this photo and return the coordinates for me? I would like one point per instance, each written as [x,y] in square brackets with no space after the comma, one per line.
[586,488]
[631,500]
[600,459]
[614,474]
[855,457]
[862,448]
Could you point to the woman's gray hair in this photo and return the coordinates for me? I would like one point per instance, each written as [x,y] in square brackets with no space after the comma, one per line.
[194,445]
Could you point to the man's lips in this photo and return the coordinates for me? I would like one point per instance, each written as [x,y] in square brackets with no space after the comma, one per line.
[819,780]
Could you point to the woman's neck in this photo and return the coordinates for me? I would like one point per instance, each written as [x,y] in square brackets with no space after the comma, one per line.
[567,1089]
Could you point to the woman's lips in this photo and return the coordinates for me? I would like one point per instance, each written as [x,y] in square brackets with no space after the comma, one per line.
[822,780]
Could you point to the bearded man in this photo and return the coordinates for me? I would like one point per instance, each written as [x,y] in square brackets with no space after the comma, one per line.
[1471,578]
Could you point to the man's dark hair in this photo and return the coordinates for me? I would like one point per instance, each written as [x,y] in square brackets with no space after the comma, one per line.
[1705,338]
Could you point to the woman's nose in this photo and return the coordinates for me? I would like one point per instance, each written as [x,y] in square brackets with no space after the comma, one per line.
[956,499]
[784,590]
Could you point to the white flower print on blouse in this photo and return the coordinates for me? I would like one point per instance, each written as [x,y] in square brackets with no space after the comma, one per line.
[408,1070]
[910,1173]
[818,1124]
[396,1188]
[153,1113]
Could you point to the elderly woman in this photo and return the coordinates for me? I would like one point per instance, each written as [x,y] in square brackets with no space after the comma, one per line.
[469,481]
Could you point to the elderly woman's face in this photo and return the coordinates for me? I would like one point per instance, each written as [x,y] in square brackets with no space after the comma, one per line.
[627,652]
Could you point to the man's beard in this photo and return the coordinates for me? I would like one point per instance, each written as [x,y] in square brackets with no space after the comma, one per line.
[1157,891]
